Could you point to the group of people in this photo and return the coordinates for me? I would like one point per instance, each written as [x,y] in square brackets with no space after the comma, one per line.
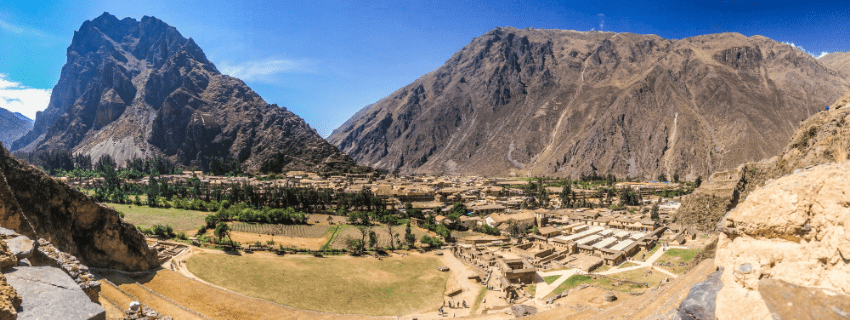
[454,305]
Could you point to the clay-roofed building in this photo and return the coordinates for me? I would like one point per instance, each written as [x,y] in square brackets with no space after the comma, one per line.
[486,209]
[526,218]
[549,232]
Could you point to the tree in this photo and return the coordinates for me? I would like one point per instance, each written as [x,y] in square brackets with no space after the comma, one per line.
[373,239]
[698,182]
[653,214]
[222,230]
[662,177]
[408,235]
[515,229]
[676,177]
[391,221]
[566,200]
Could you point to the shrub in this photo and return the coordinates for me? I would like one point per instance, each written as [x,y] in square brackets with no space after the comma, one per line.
[182,235]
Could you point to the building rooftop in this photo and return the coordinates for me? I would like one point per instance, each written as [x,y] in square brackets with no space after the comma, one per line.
[622,245]
[588,239]
[605,243]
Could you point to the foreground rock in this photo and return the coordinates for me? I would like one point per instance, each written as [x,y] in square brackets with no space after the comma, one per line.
[49,293]
[822,138]
[795,229]
[37,206]
[700,302]
[789,302]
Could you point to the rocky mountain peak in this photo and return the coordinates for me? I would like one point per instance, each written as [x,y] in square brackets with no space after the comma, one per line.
[138,89]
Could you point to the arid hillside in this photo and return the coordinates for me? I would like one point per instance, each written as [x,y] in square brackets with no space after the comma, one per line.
[139,89]
[566,103]
[839,61]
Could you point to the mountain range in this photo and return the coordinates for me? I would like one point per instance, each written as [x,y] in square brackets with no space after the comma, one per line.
[568,103]
[13,126]
[137,89]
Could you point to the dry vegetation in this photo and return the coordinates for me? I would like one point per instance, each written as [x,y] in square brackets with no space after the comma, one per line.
[339,285]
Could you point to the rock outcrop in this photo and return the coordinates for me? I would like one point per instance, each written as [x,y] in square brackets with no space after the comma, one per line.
[140,89]
[700,302]
[48,293]
[38,206]
[823,138]
[795,229]
[566,103]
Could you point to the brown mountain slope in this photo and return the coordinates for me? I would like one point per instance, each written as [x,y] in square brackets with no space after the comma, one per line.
[823,138]
[564,103]
[839,61]
[139,88]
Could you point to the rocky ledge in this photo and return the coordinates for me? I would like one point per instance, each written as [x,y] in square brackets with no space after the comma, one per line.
[40,282]
[787,247]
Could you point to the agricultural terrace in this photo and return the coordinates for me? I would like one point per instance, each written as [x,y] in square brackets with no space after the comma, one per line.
[381,230]
[143,216]
[288,230]
[679,259]
[341,284]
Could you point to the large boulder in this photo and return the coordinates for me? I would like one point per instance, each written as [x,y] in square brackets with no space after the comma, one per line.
[795,229]
[49,293]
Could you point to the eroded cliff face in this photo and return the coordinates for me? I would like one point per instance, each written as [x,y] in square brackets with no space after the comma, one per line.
[565,103]
[795,231]
[823,138]
[38,206]
[140,89]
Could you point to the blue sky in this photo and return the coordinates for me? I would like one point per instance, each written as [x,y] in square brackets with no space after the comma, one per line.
[325,60]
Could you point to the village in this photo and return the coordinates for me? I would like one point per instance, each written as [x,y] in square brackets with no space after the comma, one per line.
[541,249]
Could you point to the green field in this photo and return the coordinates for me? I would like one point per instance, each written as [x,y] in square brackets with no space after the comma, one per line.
[677,256]
[551,279]
[571,282]
[144,216]
[341,284]
[638,275]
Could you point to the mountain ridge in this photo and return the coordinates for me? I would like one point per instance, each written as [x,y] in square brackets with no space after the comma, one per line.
[566,103]
[139,89]
[13,126]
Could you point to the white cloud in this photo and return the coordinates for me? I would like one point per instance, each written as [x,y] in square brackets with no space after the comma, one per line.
[261,69]
[601,21]
[8,27]
[817,56]
[16,97]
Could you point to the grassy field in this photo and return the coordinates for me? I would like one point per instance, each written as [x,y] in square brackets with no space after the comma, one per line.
[571,282]
[478,299]
[551,279]
[677,256]
[336,284]
[638,275]
[144,216]
[627,265]
[348,231]
[653,280]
